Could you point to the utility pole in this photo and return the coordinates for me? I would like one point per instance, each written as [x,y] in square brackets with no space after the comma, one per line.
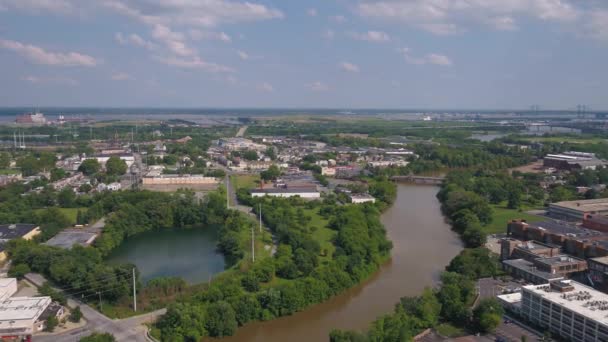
[260,217]
[252,244]
[134,292]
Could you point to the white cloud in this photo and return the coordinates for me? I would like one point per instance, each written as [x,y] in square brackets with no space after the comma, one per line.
[329,34]
[243,55]
[265,87]
[312,12]
[372,36]
[194,63]
[317,86]
[437,59]
[134,39]
[38,55]
[50,80]
[338,19]
[349,67]
[174,41]
[443,17]
[38,6]
[121,76]
[207,13]
[209,35]
[431,58]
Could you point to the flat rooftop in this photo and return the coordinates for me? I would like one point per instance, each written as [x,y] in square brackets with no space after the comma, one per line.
[592,205]
[23,308]
[529,267]
[15,231]
[559,260]
[68,238]
[601,260]
[567,229]
[583,300]
[285,190]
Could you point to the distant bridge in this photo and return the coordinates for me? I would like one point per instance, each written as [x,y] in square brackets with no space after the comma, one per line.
[419,179]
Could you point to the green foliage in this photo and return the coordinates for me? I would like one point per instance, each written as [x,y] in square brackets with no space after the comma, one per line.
[99,337]
[475,263]
[116,166]
[51,323]
[47,290]
[19,270]
[249,155]
[5,160]
[487,315]
[89,167]
[221,319]
[57,174]
[75,315]
[271,174]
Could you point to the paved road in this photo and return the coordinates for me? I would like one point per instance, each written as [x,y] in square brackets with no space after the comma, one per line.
[128,329]
[241,131]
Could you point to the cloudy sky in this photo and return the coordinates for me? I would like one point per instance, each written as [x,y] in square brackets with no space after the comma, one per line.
[317,53]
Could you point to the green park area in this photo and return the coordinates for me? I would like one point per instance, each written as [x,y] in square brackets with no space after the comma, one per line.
[245,181]
[502,215]
[70,213]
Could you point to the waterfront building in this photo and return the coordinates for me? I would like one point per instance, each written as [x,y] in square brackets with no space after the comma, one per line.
[573,161]
[578,209]
[596,222]
[362,198]
[310,192]
[568,309]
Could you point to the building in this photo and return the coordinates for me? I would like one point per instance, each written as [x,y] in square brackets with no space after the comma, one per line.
[8,287]
[570,310]
[10,178]
[526,270]
[362,198]
[596,222]
[109,187]
[388,163]
[528,250]
[573,161]
[174,179]
[129,159]
[598,272]
[22,315]
[15,231]
[67,238]
[328,171]
[35,118]
[239,144]
[68,181]
[310,192]
[577,210]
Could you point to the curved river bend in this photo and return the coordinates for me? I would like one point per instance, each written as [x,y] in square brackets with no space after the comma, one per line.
[423,246]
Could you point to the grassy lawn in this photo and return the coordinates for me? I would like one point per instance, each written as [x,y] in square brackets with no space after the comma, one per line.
[70,213]
[448,330]
[9,171]
[322,234]
[502,215]
[244,181]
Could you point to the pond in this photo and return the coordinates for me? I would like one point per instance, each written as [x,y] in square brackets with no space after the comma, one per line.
[187,253]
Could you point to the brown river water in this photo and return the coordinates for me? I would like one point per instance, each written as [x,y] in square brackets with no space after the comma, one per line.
[423,246]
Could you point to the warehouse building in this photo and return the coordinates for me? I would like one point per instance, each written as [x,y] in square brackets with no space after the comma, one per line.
[568,309]
[573,161]
[577,210]
[15,231]
[310,192]
[20,316]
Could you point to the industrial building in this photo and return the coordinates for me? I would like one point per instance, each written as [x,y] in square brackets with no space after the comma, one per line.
[15,231]
[526,270]
[310,192]
[573,161]
[21,315]
[67,238]
[596,222]
[362,198]
[174,179]
[570,310]
[577,210]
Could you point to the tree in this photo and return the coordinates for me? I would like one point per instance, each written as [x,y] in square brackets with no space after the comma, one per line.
[57,174]
[51,323]
[75,315]
[89,167]
[86,187]
[250,155]
[221,319]
[99,337]
[514,199]
[116,166]
[271,174]
[487,315]
[271,153]
[66,198]
[474,236]
[19,270]
[5,160]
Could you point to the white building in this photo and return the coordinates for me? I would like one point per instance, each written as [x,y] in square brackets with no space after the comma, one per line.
[8,287]
[573,311]
[129,159]
[20,315]
[286,192]
[387,163]
[362,198]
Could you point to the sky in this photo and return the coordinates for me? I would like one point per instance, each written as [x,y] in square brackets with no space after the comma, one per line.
[425,54]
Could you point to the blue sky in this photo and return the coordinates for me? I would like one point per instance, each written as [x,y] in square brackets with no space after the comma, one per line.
[456,54]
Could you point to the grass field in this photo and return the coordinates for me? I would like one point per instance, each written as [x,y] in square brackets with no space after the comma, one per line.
[502,215]
[9,171]
[448,330]
[70,213]
[322,234]
[244,181]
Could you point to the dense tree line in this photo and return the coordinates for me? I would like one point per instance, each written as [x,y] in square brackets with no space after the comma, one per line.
[451,302]
[293,278]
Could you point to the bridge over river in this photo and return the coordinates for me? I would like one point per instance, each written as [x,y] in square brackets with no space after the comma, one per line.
[419,179]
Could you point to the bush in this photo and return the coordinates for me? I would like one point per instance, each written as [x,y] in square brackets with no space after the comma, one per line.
[19,271]
[51,323]
[75,315]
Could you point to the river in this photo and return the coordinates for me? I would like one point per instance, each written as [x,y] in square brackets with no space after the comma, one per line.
[187,253]
[423,246]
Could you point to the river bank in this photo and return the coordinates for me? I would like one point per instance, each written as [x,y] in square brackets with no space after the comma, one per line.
[423,244]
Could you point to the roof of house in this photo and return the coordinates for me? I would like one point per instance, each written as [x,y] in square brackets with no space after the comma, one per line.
[285,190]
[15,231]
